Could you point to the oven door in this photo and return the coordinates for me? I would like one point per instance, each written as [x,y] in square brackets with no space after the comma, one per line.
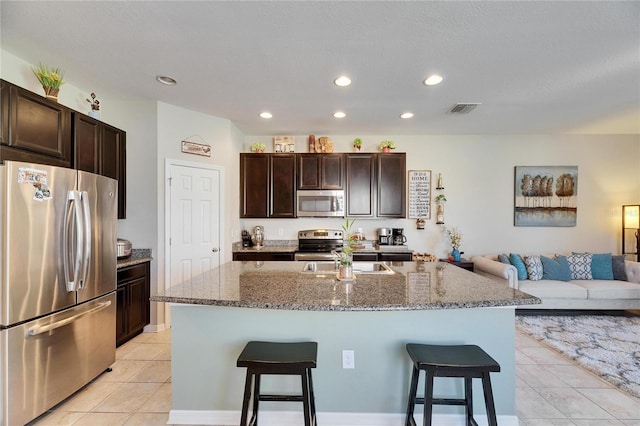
[313,256]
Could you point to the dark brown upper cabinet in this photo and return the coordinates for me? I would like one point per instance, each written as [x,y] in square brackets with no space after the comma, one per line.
[391,185]
[34,129]
[101,149]
[267,185]
[361,180]
[320,171]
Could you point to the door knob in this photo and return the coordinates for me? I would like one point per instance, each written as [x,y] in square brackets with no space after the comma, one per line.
[215,250]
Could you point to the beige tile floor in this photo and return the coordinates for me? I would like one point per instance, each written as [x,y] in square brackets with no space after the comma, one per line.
[550,390]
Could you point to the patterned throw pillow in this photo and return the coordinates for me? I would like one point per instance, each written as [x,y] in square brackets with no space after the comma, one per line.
[534,267]
[516,260]
[580,265]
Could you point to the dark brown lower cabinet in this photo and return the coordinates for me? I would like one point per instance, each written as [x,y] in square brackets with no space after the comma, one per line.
[253,257]
[132,297]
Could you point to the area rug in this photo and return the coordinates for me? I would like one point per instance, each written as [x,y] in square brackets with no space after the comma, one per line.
[608,346]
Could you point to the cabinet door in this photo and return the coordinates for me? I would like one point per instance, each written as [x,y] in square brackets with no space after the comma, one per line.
[40,129]
[254,185]
[309,171]
[138,305]
[360,184]
[332,171]
[4,112]
[391,194]
[121,314]
[113,162]
[283,185]
[86,142]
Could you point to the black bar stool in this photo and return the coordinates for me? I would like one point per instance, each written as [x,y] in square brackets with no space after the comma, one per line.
[468,361]
[278,358]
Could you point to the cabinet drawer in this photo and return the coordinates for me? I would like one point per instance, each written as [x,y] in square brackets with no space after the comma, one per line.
[132,272]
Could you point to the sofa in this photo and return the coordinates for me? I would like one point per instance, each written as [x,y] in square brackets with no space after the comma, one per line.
[585,286]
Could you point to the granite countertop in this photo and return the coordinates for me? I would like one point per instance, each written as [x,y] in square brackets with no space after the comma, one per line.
[282,285]
[137,256]
[291,246]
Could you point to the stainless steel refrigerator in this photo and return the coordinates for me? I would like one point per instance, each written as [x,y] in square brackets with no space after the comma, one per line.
[57,285]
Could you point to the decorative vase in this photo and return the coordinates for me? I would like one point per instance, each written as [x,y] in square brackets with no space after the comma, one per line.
[345,270]
[440,214]
[95,114]
[386,149]
[51,93]
[356,148]
[456,255]
[259,151]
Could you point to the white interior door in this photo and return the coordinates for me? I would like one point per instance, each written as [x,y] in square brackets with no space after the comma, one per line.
[194,234]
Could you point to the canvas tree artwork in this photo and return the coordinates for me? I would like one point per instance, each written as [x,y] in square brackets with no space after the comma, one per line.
[545,195]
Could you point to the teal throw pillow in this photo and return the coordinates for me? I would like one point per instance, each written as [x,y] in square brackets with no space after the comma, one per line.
[555,269]
[601,266]
[516,260]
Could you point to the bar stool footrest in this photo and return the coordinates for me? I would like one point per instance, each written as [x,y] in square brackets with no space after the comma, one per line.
[282,398]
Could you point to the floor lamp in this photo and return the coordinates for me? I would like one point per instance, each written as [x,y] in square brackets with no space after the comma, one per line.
[631,230]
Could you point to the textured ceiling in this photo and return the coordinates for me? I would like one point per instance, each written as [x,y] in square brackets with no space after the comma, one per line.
[536,67]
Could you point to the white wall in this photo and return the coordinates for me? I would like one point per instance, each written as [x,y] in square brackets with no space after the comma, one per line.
[478,176]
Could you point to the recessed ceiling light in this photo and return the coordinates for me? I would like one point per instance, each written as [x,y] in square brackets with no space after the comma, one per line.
[164,79]
[339,114]
[432,80]
[406,115]
[266,114]
[342,81]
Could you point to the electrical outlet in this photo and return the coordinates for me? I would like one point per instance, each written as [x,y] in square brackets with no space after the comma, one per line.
[348,359]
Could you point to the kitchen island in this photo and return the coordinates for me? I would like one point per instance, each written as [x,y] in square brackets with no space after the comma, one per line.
[375,315]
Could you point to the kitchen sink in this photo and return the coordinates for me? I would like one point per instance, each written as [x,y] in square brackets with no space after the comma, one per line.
[358,268]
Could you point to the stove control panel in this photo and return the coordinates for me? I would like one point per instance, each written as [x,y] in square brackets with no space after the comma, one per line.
[320,234]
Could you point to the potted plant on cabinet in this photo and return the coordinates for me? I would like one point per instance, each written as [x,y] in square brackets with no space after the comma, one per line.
[258,147]
[50,79]
[357,144]
[386,146]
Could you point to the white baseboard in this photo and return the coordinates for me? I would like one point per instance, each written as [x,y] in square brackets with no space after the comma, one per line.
[294,418]
[154,328]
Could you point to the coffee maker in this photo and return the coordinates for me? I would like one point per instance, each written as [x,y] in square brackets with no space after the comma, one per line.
[384,237]
[246,239]
[398,236]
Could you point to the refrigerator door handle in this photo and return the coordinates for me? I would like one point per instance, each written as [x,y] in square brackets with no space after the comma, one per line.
[71,254]
[34,331]
[86,238]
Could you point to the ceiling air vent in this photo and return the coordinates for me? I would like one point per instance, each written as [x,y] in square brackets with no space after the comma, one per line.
[462,108]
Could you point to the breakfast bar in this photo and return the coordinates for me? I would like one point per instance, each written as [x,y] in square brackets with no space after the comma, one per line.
[374,315]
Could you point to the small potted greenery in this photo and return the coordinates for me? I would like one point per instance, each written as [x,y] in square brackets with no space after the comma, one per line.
[357,144]
[258,147]
[345,257]
[50,79]
[386,146]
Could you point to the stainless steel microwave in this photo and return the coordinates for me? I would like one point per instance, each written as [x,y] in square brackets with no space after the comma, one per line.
[320,203]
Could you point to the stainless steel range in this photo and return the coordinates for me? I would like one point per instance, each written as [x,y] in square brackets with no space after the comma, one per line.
[316,244]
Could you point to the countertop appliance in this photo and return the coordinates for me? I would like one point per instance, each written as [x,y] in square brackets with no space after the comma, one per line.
[57,285]
[316,244]
[320,203]
[123,248]
[398,236]
[258,236]
[246,239]
[385,236]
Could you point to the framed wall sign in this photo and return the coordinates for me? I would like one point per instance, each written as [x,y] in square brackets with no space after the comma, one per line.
[419,194]
[196,148]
